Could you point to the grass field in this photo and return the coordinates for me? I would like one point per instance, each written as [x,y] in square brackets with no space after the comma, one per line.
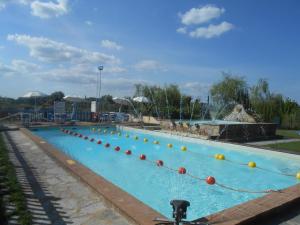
[288,133]
[291,146]
[9,180]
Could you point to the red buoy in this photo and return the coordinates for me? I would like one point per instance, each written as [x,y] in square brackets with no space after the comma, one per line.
[92,139]
[85,138]
[107,145]
[117,148]
[67,131]
[75,134]
[182,170]
[142,157]
[80,135]
[210,180]
[159,163]
[128,152]
[71,132]
[99,142]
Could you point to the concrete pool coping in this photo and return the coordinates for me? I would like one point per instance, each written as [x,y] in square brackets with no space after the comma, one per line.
[139,213]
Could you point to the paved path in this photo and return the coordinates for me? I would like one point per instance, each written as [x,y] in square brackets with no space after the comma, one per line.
[291,217]
[261,143]
[53,195]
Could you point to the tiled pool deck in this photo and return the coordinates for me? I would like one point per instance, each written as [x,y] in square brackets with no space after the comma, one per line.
[260,209]
[53,195]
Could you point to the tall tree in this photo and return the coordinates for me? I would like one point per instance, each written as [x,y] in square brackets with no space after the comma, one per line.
[230,90]
[56,96]
[165,102]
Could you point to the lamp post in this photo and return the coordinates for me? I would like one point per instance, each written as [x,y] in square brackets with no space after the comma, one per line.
[100,68]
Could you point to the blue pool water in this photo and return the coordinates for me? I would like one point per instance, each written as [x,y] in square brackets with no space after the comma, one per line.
[156,186]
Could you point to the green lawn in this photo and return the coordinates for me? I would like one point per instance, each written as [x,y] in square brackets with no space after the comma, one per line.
[290,146]
[288,133]
[9,180]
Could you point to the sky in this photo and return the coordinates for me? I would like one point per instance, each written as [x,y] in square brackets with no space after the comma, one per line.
[57,45]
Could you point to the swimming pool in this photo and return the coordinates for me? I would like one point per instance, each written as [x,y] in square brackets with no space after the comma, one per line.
[156,186]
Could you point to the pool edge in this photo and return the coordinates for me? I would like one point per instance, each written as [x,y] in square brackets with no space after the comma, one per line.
[139,213]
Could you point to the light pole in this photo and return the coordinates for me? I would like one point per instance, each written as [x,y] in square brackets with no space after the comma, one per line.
[100,68]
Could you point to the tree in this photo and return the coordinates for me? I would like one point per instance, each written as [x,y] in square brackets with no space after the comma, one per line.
[270,105]
[56,96]
[230,90]
[165,102]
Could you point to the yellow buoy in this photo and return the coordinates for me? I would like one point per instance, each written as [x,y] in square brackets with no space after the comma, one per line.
[112,132]
[221,157]
[217,156]
[71,162]
[252,164]
[127,135]
[119,134]
[145,140]
[105,131]
[170,145]
[183,148]
[156,142]
[136,137]
[298,175]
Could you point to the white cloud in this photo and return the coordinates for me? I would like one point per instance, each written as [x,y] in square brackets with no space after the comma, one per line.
[18,67]
[89,23]
[201,15]
[115,69]
[6,70]
[196,89]
[70,64]
[49,9]
[42,9]
[121,86]
[78,74]
[148,65]
[205,14]
[110,45]
[86,78]
[24,2]
[50,51]
[212,30]
[181,30]
[23,66]
[75,74]
[3,3]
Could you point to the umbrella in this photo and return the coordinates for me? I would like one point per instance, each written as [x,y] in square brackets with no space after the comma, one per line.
[121,101]
[70,98]
[124,101]
[34,94]
[141,99]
